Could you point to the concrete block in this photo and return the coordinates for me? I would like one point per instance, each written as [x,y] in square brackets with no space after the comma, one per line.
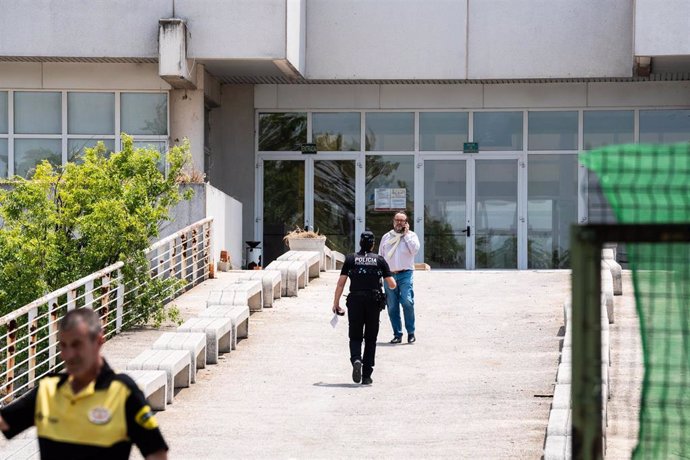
[293,275]
[607,292]
[555,447]
[193,342]
[561,396]
[175,363]
[218,335]
[559,423]
[565,373]
[154,385]
[238,315]
[312,260]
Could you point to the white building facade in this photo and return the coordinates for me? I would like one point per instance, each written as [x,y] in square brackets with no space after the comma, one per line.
[467,114]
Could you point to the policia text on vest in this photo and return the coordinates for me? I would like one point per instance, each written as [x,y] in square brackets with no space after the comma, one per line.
[365,270]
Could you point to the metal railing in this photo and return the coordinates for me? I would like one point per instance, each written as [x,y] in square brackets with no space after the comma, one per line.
[28,335]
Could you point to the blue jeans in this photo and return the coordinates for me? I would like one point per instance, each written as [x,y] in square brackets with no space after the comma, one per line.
[401,295]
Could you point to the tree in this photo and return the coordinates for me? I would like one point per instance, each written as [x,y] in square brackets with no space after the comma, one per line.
[67,222]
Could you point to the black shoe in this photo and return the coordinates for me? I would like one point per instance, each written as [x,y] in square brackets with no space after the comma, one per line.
[367,381]
[411,338]
[357,371]
[396,340]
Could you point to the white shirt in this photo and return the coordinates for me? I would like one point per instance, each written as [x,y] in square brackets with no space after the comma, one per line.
[403,257]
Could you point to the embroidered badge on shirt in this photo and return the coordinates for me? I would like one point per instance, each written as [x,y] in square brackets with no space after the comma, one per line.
[99,415]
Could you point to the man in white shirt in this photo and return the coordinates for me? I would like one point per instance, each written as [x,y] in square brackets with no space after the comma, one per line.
[398,247]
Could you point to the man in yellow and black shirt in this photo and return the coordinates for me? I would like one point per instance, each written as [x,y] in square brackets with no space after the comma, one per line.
[89,412]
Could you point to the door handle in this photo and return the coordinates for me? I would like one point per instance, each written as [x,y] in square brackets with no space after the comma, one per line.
[468,231]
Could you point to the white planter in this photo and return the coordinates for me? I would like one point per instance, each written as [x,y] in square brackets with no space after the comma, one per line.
[310,244]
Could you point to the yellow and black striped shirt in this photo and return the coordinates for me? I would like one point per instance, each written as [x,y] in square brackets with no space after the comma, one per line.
[101,421]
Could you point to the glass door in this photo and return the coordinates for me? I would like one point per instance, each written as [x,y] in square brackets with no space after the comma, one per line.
[445,213]
[495,229]
[283,204]
[334,202]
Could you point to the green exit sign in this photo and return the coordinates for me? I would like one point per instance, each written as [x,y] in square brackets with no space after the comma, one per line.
[309,149]
[470,147]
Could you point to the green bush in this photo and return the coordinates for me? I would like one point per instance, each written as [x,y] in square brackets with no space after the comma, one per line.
[65,223]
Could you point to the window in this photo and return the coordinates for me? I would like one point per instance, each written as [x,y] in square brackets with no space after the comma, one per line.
[498,130]
[282,131]
[37,131]
[336,131]
[607,127]
[552,131]
[390,131]
[443,131]
[664,126]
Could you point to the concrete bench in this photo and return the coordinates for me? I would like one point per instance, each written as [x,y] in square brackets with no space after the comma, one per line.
[238,315]
[154,385]
[218,335]
[329,261]
[339,258]
[608,257]
[270,281]
[312,260]
[238,292]
[293,275]
[175,363]
[193,342]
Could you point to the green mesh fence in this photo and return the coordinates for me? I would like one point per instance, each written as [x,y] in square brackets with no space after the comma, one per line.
[647,184]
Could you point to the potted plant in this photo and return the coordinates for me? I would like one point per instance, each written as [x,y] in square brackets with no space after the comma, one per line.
[306,240]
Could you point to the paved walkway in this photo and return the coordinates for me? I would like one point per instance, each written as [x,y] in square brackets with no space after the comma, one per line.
[475,385]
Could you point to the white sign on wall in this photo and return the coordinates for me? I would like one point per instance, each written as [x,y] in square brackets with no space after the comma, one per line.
[387,199]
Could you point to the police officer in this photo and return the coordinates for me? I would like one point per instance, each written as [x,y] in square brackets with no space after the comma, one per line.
[90,411]
[364,303]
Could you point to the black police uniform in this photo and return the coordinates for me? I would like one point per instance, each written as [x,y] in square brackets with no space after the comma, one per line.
[365,270]
[101,421]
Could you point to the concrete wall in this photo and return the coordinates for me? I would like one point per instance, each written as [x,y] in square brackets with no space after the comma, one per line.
[80,76]
[187,118]
[549,38]
[386,39]
[661,27]
[237,29]
[97,28]
[232,164]
[475,96]
[227,225]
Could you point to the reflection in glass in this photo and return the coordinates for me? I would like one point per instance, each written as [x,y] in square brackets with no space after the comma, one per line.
[664,126]
[444,213]
[30,152]
[4,159]
[3,112]
[388,172]
[91,113]
[283,204]
[599,211]
[75,148]
[336,131]
[144,113]
[607,127]
[552,131]
[282,131]
[498,130]
[389,131]
[443,130]
[37,112]
[334,203]
[496,214]
[551,209]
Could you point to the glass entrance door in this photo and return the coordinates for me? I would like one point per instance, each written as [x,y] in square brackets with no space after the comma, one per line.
[283,204]
[315,193]
[334,203]
[471,213]
[445,213]
[496,213]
